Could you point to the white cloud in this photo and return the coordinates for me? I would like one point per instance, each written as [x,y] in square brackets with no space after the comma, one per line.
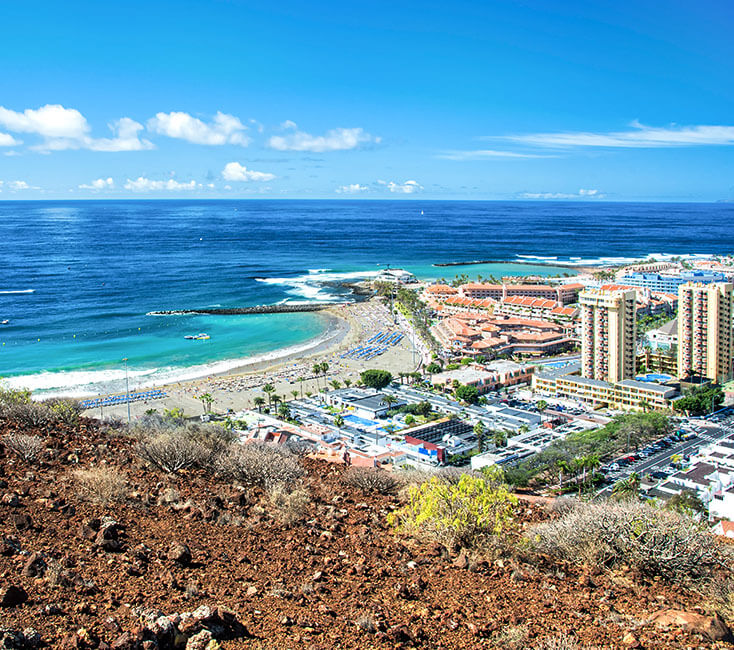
[99,184]
[408,187]
[66,128]
[233,171]
[50,121]
[288,124]
[353,188]
[7,140]
[20,185]
[334,140]
[581,194]
[142,184]
[224,129]
[482,154]
[639,136]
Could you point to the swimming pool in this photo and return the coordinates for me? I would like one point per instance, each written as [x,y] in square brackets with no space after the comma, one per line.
[658,378]
[361,422]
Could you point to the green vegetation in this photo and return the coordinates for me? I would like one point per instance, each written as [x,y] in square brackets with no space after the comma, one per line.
[456,514]
[416,311]
[468,394]
[376,379]
[700,400]
[647,323]
[624,432]
[433,368]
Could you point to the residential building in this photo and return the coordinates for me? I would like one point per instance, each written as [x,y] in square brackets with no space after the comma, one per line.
[669,283]
[541,308]
[705,343]
[563,294]
[627,394]
[493,376]
[663,337]
[608,330]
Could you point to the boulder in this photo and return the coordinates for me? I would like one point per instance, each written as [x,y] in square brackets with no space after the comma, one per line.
[179,553]
[12,596]
[712,627]
[35,566]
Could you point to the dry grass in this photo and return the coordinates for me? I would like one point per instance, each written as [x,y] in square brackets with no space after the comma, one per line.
[28,448]
[290,506]
[101,484]
[559,642]
[720,595]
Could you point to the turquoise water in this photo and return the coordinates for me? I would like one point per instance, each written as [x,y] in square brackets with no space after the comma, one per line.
[78,278]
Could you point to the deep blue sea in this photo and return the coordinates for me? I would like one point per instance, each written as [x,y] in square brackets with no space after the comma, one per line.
[91,270]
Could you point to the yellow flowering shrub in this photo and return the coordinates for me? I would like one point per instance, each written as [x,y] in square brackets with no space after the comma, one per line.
[456,513]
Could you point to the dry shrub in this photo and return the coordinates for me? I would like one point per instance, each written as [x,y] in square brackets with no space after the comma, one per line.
[720,594]
[31,414]
[259,464]
[559,642]
[64,409]
[511,638]
[101,484]
[371,480]
[172,452]
[291,506]
[652,540]
[28,448]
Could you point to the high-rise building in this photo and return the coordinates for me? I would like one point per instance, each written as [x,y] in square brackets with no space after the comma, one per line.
[705,346]
[608,329]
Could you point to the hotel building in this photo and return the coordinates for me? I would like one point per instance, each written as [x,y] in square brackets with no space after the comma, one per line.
[705,346]
[608,328]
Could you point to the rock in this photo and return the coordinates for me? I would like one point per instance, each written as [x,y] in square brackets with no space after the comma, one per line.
[712,627]
[251,591]
[629,640]
[179,553]
[12,596]
[32,638]
[108,537]
[462,561]
[199,641]
[9,546]
[22,521]
[35,566]
[11,500]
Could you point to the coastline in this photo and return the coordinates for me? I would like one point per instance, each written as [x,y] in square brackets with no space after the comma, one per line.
[236,388]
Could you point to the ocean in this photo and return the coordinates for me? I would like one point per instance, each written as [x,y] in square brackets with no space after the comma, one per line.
[78,278]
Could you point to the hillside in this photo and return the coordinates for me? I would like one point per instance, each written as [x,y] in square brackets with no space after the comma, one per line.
[87,567]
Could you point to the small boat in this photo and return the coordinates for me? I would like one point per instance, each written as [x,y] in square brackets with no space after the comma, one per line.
[201,336]
[5,322]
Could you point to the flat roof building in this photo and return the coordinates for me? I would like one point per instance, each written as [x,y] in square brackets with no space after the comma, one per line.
[705,345]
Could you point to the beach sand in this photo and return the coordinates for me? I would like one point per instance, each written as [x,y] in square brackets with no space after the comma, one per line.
[349,326]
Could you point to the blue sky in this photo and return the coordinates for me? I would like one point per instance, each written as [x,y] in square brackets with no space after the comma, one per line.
[535,99]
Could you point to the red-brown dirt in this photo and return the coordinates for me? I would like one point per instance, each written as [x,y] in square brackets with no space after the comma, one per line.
[342,578]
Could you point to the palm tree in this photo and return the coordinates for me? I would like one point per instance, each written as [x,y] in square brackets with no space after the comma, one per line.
[335,384]
[338,421]
[389,400]
[284,411]
[308,393]
[563,467]
[259,401]
[541,405]
[316,370]
[300,381]
[479,433]
[277,399]
[295,394]
[347,382]
[206,400]
[499,437]
[626,489]
[592,462]
[269,389]
[324,369]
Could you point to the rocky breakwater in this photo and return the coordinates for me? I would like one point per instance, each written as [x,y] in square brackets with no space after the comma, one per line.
[284,308]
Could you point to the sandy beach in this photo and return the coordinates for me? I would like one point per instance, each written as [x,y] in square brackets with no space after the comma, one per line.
[349,326]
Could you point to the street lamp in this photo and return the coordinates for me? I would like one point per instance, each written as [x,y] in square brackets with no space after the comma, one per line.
[127,390]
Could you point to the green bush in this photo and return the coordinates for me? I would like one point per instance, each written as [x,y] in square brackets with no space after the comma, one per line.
[459,513]
[376,379]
